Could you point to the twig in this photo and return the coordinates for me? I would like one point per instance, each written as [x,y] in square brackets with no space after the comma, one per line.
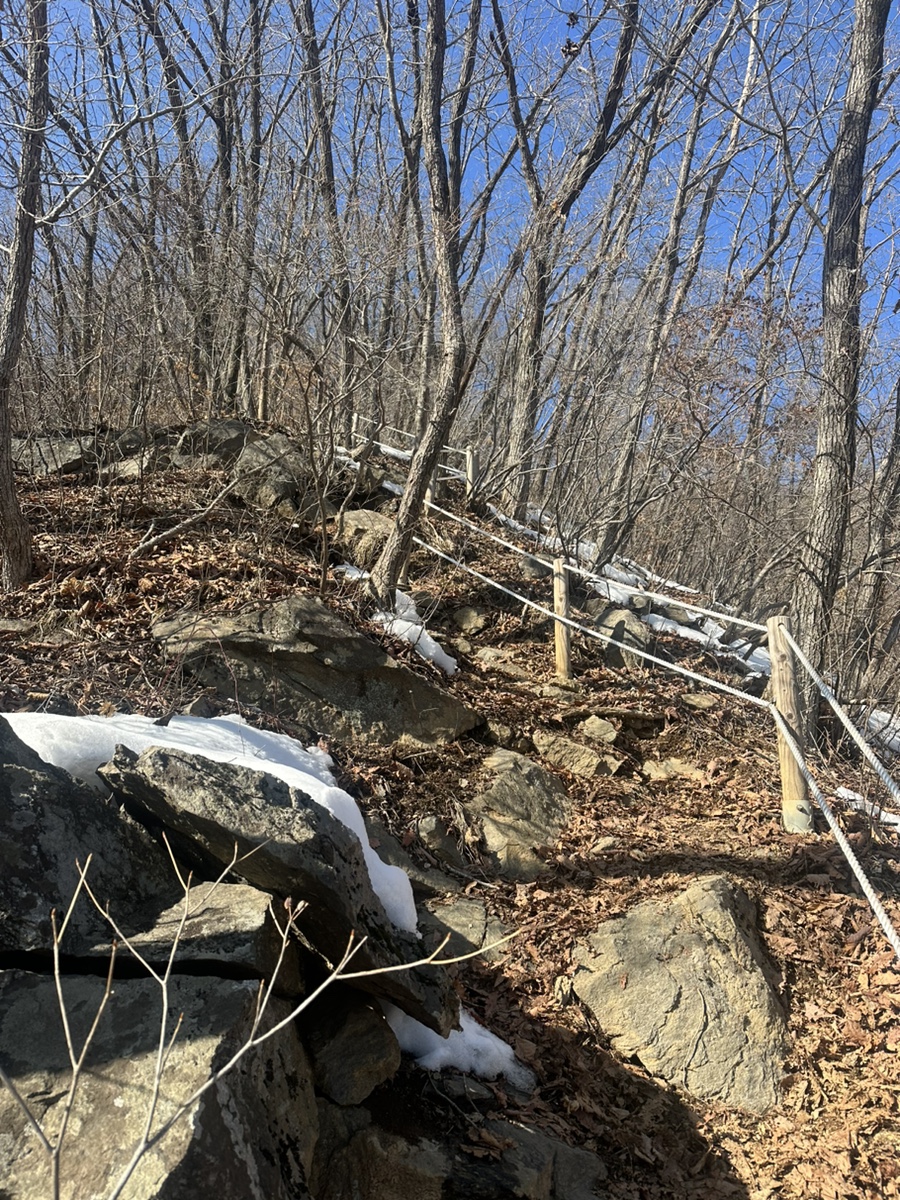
[187,523]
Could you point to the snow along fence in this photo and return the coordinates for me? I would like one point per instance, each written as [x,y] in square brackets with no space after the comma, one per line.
[798,783]
[785,731]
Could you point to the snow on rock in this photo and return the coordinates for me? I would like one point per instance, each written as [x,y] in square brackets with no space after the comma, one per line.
[628,578]
[354,574]
[81,744]
[757,657]
[406,624]
[471,1048]
[886,728]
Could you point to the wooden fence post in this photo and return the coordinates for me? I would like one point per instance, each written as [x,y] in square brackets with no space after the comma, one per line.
[796,812]
[472,469]
[561,608]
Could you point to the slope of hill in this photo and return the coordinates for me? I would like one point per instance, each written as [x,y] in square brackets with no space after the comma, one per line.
[694,793]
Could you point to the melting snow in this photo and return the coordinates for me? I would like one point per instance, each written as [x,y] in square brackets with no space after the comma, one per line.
[81,744]
[405,623]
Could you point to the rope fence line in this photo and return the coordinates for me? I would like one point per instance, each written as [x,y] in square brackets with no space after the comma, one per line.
[402,432]
[784,729]
[840,837]
[594,577]
[785,732]
[595,633]
[826,692]
[574,567]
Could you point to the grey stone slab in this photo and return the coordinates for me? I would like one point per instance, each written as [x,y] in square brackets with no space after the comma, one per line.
[683,987]
[250,1137]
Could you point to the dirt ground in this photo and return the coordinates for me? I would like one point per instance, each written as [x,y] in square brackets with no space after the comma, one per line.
[78,640]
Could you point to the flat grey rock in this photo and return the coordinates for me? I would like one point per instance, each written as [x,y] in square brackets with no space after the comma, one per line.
[49,823]
[524,808]
[464,923]
[292,847]
[252,1134]
[682,986]
[298,652]
[572,756]
[227,927]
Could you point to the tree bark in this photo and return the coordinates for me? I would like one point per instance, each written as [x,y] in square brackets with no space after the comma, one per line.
[445,193]
[15,536]
[833,470]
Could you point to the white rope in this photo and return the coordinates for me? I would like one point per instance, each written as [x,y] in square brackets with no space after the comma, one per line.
[592,575]
[575,567]
[716,614]
[595,633]
[404,433]
[868,891]
[876,764]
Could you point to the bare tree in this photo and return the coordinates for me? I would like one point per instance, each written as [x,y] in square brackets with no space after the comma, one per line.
[822,554]
[15,537]
[445,188]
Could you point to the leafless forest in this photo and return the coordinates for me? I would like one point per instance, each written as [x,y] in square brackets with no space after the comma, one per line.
[640,257]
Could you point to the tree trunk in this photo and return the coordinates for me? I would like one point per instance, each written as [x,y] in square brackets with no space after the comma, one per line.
[445,223]
[863,654]
[15,536]
[823,549]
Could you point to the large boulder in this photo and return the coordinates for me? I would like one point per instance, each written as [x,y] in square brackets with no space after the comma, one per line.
[353,1048]
[289,845]
[49,823]
[298,652]
[377,1165]
[626,629]
[213,443]
[683,987]
[55,454]
[511,1162]
[361,534]
[252,1133]
[273,474]
[530,1164]
[524,808]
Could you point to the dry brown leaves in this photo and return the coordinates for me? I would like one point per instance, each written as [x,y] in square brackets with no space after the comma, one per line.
[835,1136]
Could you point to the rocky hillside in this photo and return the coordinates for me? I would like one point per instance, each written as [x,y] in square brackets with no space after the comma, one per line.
[703,1001]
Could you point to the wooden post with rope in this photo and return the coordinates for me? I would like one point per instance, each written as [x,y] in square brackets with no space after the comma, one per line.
[472,469]
[796,811]
[561,608]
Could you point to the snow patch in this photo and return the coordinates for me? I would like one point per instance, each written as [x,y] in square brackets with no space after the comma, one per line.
[405,623]
[873,811]
[471,1048]
[81,744]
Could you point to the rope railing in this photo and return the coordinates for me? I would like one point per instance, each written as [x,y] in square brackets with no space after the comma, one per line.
[827,694]
[574,567]
[402,432]
[595,633]
[594,577]
[840,837]
[786,734]
[784,729]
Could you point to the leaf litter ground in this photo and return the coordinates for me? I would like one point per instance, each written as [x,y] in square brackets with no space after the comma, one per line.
[78,639]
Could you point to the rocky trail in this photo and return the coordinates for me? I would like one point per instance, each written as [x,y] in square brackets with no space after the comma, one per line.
[660,810]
